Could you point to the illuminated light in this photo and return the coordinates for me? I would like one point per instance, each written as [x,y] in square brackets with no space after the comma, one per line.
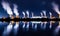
[35,16]
[59,15]
[53,18]
[4,17]
[11,17]
[36,22]
[52,22]
[17,22]
[59,18]
[17,16]
[12,22]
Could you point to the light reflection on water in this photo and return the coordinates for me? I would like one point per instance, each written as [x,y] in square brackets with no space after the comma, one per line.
[45,28]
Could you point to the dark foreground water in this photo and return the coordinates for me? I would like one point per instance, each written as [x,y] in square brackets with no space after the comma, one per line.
[21,29]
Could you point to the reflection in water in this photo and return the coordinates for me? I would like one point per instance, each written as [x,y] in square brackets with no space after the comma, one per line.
[23,25]
[50,25]
[8,29]
[16,27]
[34,24]
[56,31]
[27,26]
[41,25]
[44,25]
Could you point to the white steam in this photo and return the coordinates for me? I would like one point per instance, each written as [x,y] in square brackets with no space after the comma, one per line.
[56,7]
[16,10]
[6,7]
[23,14]
[50,14]
[44,12]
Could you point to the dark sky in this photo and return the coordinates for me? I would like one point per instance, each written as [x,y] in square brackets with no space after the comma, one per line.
[31,5]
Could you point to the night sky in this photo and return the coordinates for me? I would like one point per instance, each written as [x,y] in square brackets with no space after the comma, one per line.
[31,6]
